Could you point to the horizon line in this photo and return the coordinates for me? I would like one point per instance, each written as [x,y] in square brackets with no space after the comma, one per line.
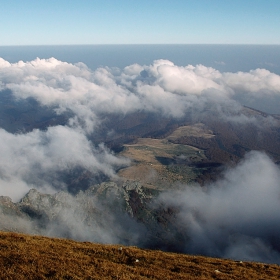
[143,44]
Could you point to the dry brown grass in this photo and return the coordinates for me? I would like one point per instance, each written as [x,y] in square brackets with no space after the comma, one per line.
[34,257]
[147,169]
[196,130]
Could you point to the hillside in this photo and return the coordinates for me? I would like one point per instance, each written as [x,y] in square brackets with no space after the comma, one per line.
[33,257]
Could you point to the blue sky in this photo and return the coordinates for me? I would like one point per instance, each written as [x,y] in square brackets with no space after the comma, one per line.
[56,22]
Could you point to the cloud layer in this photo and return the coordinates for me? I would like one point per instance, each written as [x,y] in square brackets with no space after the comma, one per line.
[161,87]
[39,158]
[235,217]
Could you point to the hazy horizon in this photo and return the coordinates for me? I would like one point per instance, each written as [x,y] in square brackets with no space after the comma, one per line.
[231,57]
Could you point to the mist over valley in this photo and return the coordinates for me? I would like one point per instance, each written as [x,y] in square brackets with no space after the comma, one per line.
[182,158]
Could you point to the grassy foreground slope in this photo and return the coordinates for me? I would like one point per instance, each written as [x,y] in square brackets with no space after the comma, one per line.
[33,257]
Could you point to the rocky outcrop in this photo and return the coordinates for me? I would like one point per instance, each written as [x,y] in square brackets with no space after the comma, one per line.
[94,207]
[110,212]
[12,218]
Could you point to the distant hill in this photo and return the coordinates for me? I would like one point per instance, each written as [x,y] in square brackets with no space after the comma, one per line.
[192,149]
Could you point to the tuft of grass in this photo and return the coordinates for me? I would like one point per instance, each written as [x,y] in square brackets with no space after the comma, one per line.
[36,257]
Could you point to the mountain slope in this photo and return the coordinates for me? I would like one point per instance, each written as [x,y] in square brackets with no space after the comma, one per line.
[34,257]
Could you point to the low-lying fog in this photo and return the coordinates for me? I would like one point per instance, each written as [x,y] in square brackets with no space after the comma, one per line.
[235,217]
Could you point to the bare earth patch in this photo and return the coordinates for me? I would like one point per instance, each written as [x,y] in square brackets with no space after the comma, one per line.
[158,161]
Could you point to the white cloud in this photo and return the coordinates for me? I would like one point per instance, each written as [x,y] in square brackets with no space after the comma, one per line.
[186,80]
[35,159]
[259,82]
[160,87]
[236,216]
